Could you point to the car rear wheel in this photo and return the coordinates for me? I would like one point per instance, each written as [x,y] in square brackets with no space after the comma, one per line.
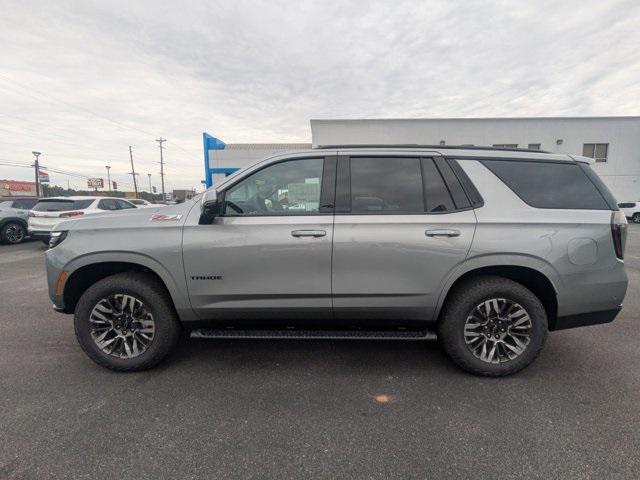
[125,322]
[636,218]
[493,326]
[12,233]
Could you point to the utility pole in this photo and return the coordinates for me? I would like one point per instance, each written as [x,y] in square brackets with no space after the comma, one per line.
[108,176]
[133,171]
[160,142]
[150,189]
[37,166]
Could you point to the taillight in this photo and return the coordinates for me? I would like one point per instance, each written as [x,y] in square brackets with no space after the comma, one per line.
[619,232]
[70,214]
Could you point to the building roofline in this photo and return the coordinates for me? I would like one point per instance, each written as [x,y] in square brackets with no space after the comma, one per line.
[458,119]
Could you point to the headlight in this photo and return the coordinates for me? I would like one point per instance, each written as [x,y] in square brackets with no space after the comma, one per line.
[57,238]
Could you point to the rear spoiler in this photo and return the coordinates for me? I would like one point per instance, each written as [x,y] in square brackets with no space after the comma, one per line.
[580,158]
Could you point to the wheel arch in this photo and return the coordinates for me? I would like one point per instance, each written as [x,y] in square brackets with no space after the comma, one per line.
[536,275]
[19,220]
[87,270]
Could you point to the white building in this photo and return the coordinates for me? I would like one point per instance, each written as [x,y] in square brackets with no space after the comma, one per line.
[614,142]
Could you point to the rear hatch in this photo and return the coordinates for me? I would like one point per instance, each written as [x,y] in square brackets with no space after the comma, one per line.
[49,212]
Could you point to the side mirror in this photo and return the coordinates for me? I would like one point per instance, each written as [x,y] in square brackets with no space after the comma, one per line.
[209,199]
[209,207]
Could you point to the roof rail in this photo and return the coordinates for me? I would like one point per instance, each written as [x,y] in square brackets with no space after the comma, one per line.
[436,147]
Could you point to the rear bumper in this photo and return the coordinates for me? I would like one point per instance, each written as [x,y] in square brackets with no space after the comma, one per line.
[586,319]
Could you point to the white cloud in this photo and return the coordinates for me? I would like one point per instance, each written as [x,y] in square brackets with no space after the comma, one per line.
[257,71]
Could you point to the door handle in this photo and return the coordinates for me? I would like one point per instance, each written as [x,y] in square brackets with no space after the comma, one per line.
[308,233]
[442,233]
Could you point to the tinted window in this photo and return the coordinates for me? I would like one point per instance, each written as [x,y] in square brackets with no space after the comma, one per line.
[286,188]
[386,185]
[107,204]
[25,203]
[137,202]
[61,205]
[438,198]
[627,205]
[123,204]
[459,197]
[549,185]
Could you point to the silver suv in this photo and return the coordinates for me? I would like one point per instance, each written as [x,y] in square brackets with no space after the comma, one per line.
[486,248]
[14,214]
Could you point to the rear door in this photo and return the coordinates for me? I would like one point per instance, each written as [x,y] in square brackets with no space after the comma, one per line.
[402,223]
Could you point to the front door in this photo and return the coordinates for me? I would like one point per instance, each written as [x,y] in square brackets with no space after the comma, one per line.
[268,255]
[398,232]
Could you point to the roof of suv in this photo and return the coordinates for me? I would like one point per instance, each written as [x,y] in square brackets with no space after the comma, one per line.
[463,151]
[80,197]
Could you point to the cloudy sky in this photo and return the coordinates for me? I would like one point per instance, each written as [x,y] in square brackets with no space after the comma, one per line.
[80,81]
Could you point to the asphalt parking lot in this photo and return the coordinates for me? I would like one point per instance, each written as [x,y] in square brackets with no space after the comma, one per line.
[314,409]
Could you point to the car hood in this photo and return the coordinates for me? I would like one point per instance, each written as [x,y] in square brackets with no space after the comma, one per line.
[138,218]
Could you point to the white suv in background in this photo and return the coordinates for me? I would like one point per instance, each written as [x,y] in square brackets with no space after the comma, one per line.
[48,212]
[141,203]
[631,210]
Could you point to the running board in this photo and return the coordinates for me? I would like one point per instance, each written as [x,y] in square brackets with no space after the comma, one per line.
[299,334]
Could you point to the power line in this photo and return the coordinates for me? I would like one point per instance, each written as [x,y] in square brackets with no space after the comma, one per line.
[70,105]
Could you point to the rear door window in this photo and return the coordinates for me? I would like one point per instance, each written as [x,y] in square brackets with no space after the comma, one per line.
[123,204]
[61,205]
[561,185]
[25,204]
[107,204]
[437,194]
[386,185]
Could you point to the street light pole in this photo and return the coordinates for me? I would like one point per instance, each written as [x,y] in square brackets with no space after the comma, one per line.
[108,176]
[150,189]
[37,166]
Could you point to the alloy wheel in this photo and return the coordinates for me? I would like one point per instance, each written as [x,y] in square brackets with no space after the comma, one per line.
[498,330]
[122,326]
[14,233]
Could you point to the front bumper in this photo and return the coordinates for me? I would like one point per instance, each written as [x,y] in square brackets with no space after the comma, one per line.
[40,234]
[586,319]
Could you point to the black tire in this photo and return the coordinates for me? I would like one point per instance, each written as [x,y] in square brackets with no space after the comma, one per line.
[12,233]
[636,218]
[154,295]
[464,299]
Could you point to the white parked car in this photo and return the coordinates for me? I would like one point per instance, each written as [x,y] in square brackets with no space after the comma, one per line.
[140,203]
[48,212]
[631,210]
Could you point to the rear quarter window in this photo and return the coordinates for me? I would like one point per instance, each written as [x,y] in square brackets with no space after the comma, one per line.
[561,185]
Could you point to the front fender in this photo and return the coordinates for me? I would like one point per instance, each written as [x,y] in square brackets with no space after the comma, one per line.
[175,286]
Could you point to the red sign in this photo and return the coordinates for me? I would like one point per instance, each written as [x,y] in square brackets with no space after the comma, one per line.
[14,186]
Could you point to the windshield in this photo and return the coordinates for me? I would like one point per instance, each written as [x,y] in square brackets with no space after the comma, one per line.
[61,205]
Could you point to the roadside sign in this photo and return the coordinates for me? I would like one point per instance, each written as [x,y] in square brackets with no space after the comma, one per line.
[95,183]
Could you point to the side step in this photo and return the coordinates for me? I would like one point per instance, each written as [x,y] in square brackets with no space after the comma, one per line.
[299,334]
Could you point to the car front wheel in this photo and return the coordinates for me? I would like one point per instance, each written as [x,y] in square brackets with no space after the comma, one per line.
[12,233]
[636,218]
[125,322]
[493,326]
